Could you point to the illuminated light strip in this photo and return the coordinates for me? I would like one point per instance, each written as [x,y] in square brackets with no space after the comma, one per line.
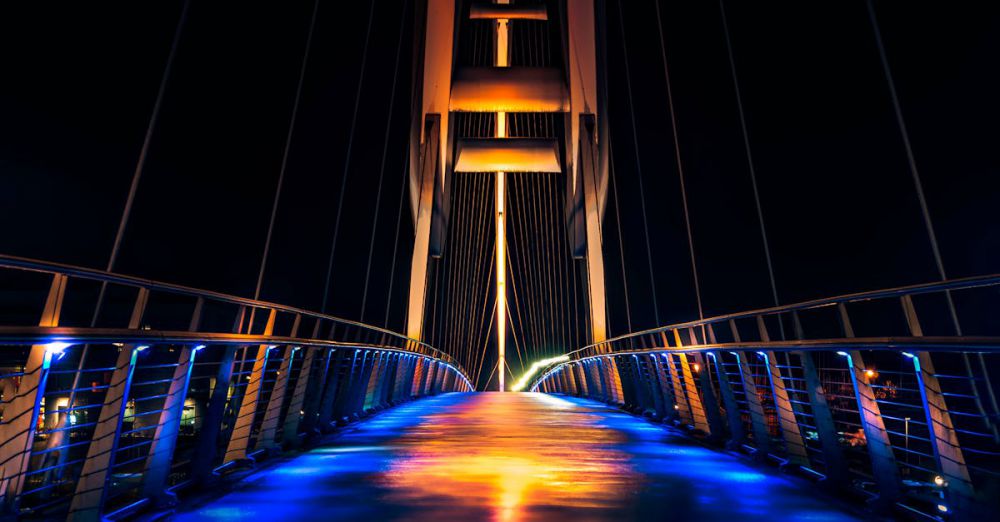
[537,365]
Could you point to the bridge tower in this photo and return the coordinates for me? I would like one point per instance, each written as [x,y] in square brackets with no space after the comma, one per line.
[571,88]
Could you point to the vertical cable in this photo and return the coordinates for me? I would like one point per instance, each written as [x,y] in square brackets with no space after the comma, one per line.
[746,146]
[140,164]
[284,154]
[385,154]
[638,163]
[680,165]
[347,159]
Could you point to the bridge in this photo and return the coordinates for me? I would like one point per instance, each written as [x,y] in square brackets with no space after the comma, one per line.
[514,381]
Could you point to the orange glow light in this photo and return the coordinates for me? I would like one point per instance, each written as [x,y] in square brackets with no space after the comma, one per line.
[516,481]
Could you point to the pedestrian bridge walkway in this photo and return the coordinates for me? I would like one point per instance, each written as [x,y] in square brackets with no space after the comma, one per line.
[510,457]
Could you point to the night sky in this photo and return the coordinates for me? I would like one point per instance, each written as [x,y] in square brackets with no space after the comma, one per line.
[79,81]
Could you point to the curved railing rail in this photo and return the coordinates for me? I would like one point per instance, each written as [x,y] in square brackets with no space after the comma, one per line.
[71,271]
[653,336]
[887,393]
[106,412]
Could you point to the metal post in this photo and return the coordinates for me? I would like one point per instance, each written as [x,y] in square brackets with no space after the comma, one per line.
[239,439]
[21,413]
[91,486]
[943,438]
[883,461]
[737,435]
[266,438]
[161,452]
[694,400]
[680,400]
[331,398]
[297,409]
[795,448]
[716,429]
[835,468]
[761,435]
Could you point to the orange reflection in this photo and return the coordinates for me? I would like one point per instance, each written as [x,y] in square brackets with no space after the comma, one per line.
[510,457]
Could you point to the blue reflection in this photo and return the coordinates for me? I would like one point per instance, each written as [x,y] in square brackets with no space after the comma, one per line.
[357,475]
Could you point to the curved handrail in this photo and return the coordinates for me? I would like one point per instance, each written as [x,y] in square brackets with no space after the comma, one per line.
[25,335]
[924,288]
[48,267]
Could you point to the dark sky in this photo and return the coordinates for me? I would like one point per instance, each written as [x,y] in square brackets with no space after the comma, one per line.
[79,81]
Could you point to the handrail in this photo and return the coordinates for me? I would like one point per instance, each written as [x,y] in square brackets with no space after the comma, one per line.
[953,344]
[923,288]
[26,335]
[49,267]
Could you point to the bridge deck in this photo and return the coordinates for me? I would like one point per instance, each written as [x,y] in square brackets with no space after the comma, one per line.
[513,457]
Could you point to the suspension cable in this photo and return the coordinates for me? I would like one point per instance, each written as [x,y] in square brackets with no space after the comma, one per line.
[395,242]
[385,154]
[140,164]
[680,165]
[746,146]
[347,158]
[284,154]
[638,162]
[621,247]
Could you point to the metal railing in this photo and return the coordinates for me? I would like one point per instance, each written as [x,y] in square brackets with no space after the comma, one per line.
[169,386]
[886,394]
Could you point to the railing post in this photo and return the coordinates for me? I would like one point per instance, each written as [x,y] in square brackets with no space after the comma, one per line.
[694,400]
[416,388]
[298,411]
[680,399]
[374,378]
[430,374]
[582,387]
[359,383]
[666,390]
[795,448]
[761,435]
[653,383]
[737,435]
[22,411]
[716,427]
[267,439]
[944,440]
[267,436]
[615,381]
[239,438]
[91,486]
[331,398]
[835,468]
[883,461]
[161,452]
[208,443]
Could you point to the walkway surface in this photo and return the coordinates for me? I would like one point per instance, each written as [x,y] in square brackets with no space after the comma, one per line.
[513,457]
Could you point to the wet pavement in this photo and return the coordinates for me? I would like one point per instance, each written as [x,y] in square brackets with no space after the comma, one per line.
[514,457]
